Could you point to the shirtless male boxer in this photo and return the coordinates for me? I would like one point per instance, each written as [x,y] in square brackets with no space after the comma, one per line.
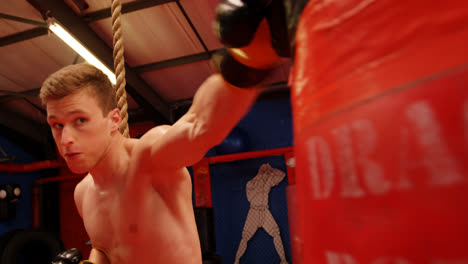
[136,200]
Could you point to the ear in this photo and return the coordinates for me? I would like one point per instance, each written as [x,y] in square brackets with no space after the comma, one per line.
[115,119]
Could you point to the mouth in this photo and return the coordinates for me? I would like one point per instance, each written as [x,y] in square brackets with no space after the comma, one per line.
[71,155]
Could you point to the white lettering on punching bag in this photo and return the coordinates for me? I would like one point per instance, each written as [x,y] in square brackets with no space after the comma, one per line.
[349,160]
[339,258]
[436,157]
[321,167]
[359,174]
[346,163]
[404,182]
[390,260]
[372,171]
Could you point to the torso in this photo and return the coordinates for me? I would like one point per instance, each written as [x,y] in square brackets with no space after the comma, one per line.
[145,222]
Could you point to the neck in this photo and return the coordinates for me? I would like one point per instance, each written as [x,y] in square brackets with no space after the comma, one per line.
[112,165]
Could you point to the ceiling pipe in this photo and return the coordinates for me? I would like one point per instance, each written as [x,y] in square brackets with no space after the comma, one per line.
[59,179]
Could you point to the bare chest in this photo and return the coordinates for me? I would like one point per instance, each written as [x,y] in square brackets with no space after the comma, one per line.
[118,222]
[128,226]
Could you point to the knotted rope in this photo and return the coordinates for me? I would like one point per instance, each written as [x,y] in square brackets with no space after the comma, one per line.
[119,65]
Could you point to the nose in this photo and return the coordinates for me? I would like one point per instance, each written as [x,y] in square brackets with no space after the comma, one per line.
[67,136]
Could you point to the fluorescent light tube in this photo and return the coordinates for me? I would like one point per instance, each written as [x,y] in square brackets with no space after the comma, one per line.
[80,49]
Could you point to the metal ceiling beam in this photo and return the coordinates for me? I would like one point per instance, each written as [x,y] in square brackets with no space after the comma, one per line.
[138,69]
[135,115]
[143,94]
[33,93]
[189,21]
[38,108]
[36,32]
[41,30]
[274,89]
[174,62]
[23,20]
[24,35]
[126,8]
[80,4]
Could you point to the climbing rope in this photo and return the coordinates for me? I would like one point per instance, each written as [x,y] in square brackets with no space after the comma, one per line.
[119,65]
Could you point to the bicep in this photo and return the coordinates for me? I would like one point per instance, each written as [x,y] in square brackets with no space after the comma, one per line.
[183,145]
[216,109]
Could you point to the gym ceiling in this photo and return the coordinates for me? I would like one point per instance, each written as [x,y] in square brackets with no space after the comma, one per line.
[167,43]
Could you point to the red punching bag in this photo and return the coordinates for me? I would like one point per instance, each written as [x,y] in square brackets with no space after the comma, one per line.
[380,101]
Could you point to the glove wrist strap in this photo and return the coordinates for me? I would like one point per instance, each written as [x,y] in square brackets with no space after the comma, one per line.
[236,73]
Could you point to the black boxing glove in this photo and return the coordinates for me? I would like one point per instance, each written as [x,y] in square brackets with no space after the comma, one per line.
[256,35]
[293,11]
[69,256]
[236,73]
[249,57]
[238,21]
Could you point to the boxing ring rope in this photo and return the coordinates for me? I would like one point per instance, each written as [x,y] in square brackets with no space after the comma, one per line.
[201,172]
[35,166]
[249,155]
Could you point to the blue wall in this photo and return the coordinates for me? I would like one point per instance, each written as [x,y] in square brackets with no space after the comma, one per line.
[23,209]
[267,125]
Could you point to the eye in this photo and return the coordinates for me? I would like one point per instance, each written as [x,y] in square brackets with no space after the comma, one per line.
[57,126]
[81,121]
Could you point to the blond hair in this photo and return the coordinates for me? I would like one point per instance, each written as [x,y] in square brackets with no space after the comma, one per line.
[73,78]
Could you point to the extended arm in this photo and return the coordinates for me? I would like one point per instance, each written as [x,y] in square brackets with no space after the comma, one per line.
[215,110]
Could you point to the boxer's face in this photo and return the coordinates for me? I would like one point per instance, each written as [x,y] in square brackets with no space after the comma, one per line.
[81,131]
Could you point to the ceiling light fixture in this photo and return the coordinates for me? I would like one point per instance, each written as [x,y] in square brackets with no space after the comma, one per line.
[71,41]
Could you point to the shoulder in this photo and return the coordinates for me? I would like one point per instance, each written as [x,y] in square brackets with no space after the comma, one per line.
[155,132]
[151,137]
[80,191]
[140,149]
